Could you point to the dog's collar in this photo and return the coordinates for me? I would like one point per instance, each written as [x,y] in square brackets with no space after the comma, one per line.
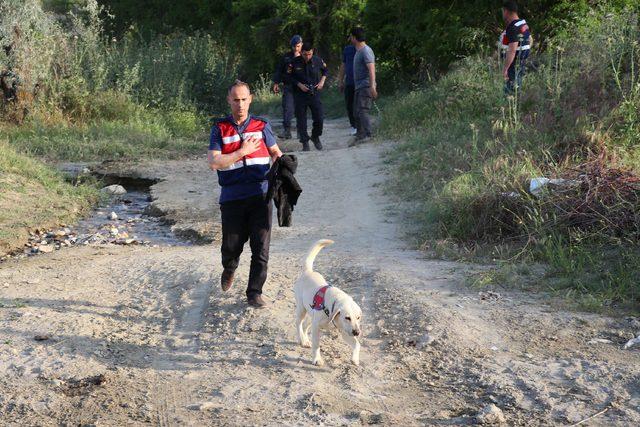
[318,301]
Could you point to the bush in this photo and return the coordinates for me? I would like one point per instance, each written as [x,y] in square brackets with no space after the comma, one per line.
[469,160]
[70,68]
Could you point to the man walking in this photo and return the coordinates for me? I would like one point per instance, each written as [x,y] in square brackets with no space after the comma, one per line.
[364,76]
[515,47]
[308,74]
[279,77]
[347,85]
[241,150]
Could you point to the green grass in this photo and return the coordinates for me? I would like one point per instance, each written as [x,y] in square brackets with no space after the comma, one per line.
[143,134]
[33,195]
[468,153]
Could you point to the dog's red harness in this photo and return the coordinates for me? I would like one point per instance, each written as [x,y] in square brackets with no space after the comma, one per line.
[318,300]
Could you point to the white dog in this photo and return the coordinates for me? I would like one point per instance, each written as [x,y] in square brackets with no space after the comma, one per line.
[327,305]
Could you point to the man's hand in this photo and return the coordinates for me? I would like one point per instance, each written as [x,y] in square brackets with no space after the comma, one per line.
[276,88]
[374,92]
[303,87]
[320,85]
[250,146]
[505,74]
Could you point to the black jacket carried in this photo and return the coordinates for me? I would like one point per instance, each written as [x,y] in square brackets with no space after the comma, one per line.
[284,188]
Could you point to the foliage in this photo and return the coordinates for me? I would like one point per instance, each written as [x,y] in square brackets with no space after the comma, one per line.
[33,195]
[63,64]
[471,152]
[421,40]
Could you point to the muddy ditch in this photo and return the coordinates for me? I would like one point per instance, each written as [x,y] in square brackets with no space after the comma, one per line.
[126,218]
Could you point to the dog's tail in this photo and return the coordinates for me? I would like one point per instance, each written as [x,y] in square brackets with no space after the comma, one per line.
[315,250]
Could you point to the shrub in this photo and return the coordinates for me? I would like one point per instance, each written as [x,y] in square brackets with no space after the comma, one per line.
[469,160]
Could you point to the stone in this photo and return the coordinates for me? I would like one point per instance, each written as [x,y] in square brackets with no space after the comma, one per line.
[43,337]
[490,415]
[45,249]
[114,190]
[113,216]
[205,406]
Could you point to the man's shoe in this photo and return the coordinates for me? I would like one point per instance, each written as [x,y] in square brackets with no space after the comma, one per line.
[226,280]
[305,146]
[353,132]
[257,302]
[316,142]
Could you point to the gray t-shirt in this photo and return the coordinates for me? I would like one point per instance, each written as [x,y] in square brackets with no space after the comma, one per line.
[363,57]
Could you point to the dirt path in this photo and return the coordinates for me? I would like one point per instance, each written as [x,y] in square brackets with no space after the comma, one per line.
[145,336]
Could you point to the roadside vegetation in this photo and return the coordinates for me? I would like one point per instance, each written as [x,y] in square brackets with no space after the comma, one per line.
[71,92]
[34,196]
[470,154]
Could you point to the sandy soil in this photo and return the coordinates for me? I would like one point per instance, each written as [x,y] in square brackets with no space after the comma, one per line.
[139,335]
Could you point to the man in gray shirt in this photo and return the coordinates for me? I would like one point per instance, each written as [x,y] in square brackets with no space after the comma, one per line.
[364,73]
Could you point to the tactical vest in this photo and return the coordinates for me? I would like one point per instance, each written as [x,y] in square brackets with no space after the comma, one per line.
[251,168]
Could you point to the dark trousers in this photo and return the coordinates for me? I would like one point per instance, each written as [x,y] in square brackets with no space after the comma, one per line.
[242,220]
[362,106]
[288,107]
[303,102]
[516,75]
[349,97]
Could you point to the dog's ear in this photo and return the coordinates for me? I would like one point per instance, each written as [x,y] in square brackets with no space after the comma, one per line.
[335,314]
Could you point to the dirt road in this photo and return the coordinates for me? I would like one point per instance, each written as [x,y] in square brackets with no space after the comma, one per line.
[142,335]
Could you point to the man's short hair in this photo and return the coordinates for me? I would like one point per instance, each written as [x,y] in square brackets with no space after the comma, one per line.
[239,83]
[510,5]
[307,46]
[358,34]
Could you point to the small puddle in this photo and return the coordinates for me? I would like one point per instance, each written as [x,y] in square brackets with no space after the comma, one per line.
[123,219]
[120,220]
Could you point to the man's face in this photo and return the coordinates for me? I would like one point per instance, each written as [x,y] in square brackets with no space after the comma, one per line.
[297,48]
[239,100]
[307,55]
[353,40]
[505,15]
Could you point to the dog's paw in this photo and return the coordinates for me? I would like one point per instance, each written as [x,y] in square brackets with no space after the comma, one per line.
[355,361]
[305,342]
[318,361]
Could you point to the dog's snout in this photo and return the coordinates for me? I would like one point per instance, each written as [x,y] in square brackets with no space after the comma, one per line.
[355,332]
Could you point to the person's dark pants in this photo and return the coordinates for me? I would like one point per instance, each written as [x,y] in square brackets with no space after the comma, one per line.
[242,220]
[288,107]
[349,97]
[362,105]
[304,101]
[516,75]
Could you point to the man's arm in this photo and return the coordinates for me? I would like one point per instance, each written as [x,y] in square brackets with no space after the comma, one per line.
[371,66]
[275,152]
[277,76]
[270,142]
[510,57]
[324,72]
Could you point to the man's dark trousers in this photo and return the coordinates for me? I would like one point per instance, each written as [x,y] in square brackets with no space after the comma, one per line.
[288,107]
[304,101]
[349,97]
[242,220]
[362,106]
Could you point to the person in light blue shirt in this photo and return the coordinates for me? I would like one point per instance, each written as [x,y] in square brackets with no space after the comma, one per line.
[364,77]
